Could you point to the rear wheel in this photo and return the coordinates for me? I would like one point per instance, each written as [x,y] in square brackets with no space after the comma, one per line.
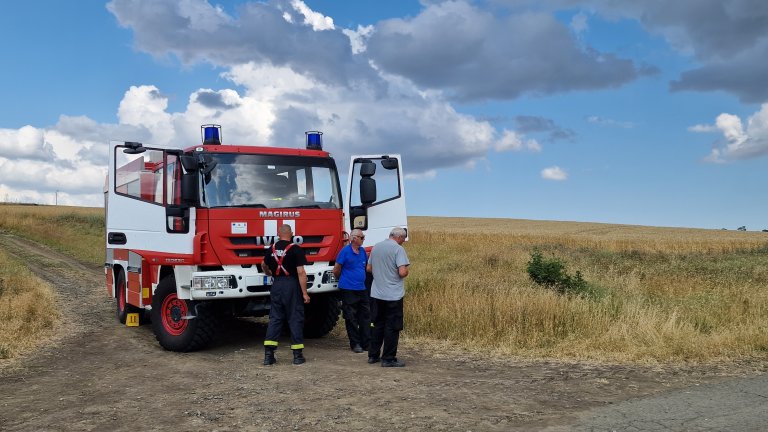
[175,327]
[321,315]
[123,308]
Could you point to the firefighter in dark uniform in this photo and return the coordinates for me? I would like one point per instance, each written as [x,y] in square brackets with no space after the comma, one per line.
[285,262]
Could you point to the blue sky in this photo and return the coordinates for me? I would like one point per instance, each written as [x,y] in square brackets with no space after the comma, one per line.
[613,111]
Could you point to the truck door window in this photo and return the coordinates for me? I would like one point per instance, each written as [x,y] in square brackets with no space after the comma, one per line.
[139,176]
[387,183]
[172,180]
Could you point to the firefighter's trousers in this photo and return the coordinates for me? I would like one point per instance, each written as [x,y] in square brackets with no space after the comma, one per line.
[287,306]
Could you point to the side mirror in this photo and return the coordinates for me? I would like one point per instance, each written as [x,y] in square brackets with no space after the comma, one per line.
[367,190]
[389,163]
[367,183]
[189,163]
[134,148]
[367,169]
[190,188]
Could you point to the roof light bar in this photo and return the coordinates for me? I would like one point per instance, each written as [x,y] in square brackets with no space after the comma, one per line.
[211,134]
[314,140]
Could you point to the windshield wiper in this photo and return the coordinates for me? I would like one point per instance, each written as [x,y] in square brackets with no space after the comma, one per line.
[307,206]
[241,206]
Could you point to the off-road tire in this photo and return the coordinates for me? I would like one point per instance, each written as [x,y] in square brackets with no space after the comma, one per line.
[122,308]
[321,315]
[172,331]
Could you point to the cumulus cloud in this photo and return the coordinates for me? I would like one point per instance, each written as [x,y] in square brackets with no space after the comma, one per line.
[259,33]
[728,38]
[740,142]
[317,20]
[281,86]
[554,173]
[475,54]
[25,143]
[512,141]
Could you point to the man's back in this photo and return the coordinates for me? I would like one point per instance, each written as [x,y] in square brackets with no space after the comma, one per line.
[386,257]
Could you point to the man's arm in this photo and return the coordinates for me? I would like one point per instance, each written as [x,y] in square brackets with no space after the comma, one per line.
[303,282]
[337,270]
[369,268]
[265,268]
[403,271]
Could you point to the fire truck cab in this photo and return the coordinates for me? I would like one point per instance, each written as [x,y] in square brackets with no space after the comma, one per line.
[187,230]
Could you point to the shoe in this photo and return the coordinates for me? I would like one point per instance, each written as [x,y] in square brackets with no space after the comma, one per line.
[357,348]
[298,357]
[392,363]
[269,356]
[373,360]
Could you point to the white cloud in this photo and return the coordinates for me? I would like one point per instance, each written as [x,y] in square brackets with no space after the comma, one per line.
[512,141]
[275,107]
[358,38]
[554,173]
[741,142]
[317,20]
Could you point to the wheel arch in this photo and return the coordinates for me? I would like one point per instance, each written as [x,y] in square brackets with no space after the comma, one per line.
[117,269]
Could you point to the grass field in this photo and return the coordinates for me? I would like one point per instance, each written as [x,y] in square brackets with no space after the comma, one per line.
[27,309]
[664,293]
[660,294]
[76,231]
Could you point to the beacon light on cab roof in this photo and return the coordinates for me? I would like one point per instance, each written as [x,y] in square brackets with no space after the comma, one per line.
[211,134]
[314,140]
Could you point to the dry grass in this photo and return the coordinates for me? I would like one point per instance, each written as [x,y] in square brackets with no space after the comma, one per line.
[664,293]
[76,231]
[28,311]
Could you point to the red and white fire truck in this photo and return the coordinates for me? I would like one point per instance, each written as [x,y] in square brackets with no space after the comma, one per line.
[186,230]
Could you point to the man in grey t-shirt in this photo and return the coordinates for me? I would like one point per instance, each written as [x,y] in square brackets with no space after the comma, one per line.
[389,265]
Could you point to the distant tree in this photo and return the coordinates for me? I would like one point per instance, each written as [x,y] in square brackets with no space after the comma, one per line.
[742,228]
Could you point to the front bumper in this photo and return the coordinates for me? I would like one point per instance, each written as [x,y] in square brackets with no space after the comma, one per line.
[249,282]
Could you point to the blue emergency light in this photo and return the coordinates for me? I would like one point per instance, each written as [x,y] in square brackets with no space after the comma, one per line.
[211,134]
[314,140]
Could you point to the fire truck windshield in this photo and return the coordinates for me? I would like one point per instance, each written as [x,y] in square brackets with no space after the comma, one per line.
[271,181]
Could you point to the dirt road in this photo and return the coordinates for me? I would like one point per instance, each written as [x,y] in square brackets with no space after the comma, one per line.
[99,375]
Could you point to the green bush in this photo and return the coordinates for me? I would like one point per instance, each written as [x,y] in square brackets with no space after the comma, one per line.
[551,273]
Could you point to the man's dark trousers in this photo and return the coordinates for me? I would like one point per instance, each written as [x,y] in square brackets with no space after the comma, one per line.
[357,317]
[387,323]
[286,304]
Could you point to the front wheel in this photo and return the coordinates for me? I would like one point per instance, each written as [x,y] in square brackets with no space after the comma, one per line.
[174,322]
[321,315]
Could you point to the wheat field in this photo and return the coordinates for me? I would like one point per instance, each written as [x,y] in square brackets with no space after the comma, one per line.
[666,293]
[663,294]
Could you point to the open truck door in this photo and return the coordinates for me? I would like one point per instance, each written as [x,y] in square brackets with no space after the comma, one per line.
[147,199]
[375,200]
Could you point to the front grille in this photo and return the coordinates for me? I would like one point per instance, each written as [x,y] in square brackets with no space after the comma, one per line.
[252,247]
[252,241]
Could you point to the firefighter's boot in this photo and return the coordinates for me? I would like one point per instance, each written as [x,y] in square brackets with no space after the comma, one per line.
[298,357]
[269,356]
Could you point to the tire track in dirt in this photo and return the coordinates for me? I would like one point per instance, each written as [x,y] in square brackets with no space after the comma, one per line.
[99,375]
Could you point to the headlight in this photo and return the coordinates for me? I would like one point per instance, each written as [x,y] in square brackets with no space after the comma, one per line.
[213,282]
[328,277]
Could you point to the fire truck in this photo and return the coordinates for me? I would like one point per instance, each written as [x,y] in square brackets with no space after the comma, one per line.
[187,230]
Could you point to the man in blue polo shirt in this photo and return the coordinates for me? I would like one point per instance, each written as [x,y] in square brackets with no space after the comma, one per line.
[350,271]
